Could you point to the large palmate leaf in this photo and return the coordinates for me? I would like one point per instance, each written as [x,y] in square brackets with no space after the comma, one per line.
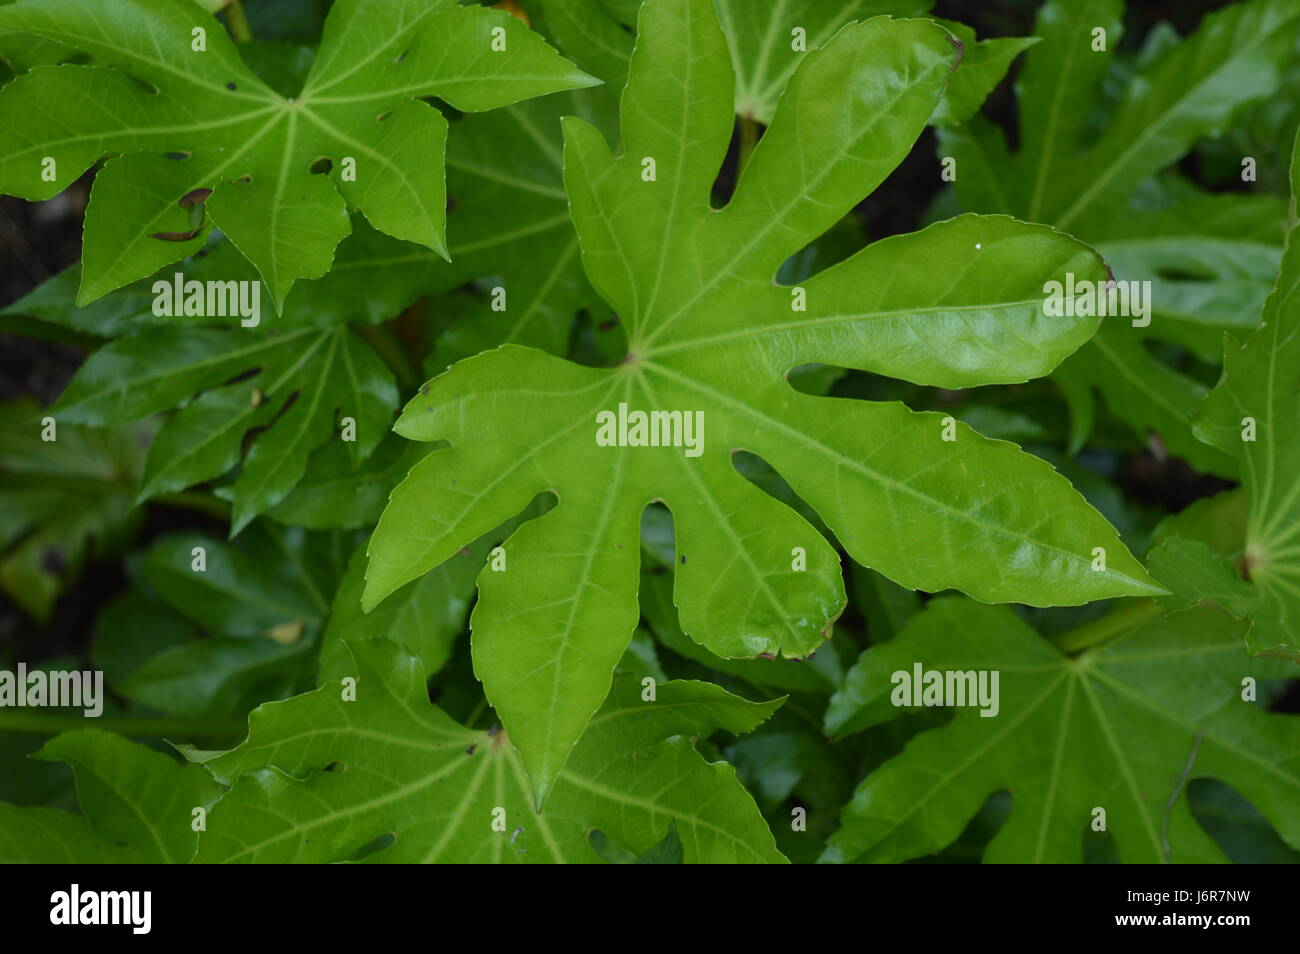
[137,807]
[711,339]
[189,119]
[1254,414]
[321,777]
[1122,726]
[1209,258]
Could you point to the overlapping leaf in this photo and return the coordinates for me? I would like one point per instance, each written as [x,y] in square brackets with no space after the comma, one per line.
[1087,180]
[261,607]
[137,807]
[188,114]
[65,495]
[321,778]
[301,385]
[1254,415]
[710,334]
[1122,727]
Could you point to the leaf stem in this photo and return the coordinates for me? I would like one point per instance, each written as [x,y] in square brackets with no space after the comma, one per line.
[238,23]
[1109,627]
[194,500]
[394,355]
[45,723]
[197,500]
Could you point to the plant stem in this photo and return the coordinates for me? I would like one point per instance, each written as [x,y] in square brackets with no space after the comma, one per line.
[748,140]
[198,500]
[238,23]
[194,500]
[1109,627]
[393,353]
[38,723]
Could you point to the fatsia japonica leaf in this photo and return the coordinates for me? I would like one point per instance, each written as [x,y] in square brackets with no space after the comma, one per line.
[711,340]
[321,777]
[169,91]
[982,66]
[1254,414]
[1088,182]
[768,40]
[425,616]
[1122,726]
[137,807]
[308,384]
[261,605]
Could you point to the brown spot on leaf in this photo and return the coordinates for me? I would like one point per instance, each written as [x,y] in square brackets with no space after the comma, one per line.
[194,197]
[176,236]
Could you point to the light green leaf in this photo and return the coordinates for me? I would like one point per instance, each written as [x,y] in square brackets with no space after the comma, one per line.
[137,807]
[982,66]
[712,336]
[761,39]
[425,616]
[150,94]
[320,778]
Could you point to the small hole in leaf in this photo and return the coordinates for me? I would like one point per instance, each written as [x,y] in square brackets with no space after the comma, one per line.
[231,86]
[245,178]
[145,85]
[193,197]
[373,846]
[322,166]
[337,767]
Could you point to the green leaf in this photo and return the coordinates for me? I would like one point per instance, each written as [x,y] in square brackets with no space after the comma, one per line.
[62,500]
[320,778]
[818,672]
[1085,174]
[1122,726]
[336,492]
[712,336]
[983,64]
[307,383]
[761,40]
[425,617]
[273,578]
[260,606]
[137,807]
[150,93]
[1254,414]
